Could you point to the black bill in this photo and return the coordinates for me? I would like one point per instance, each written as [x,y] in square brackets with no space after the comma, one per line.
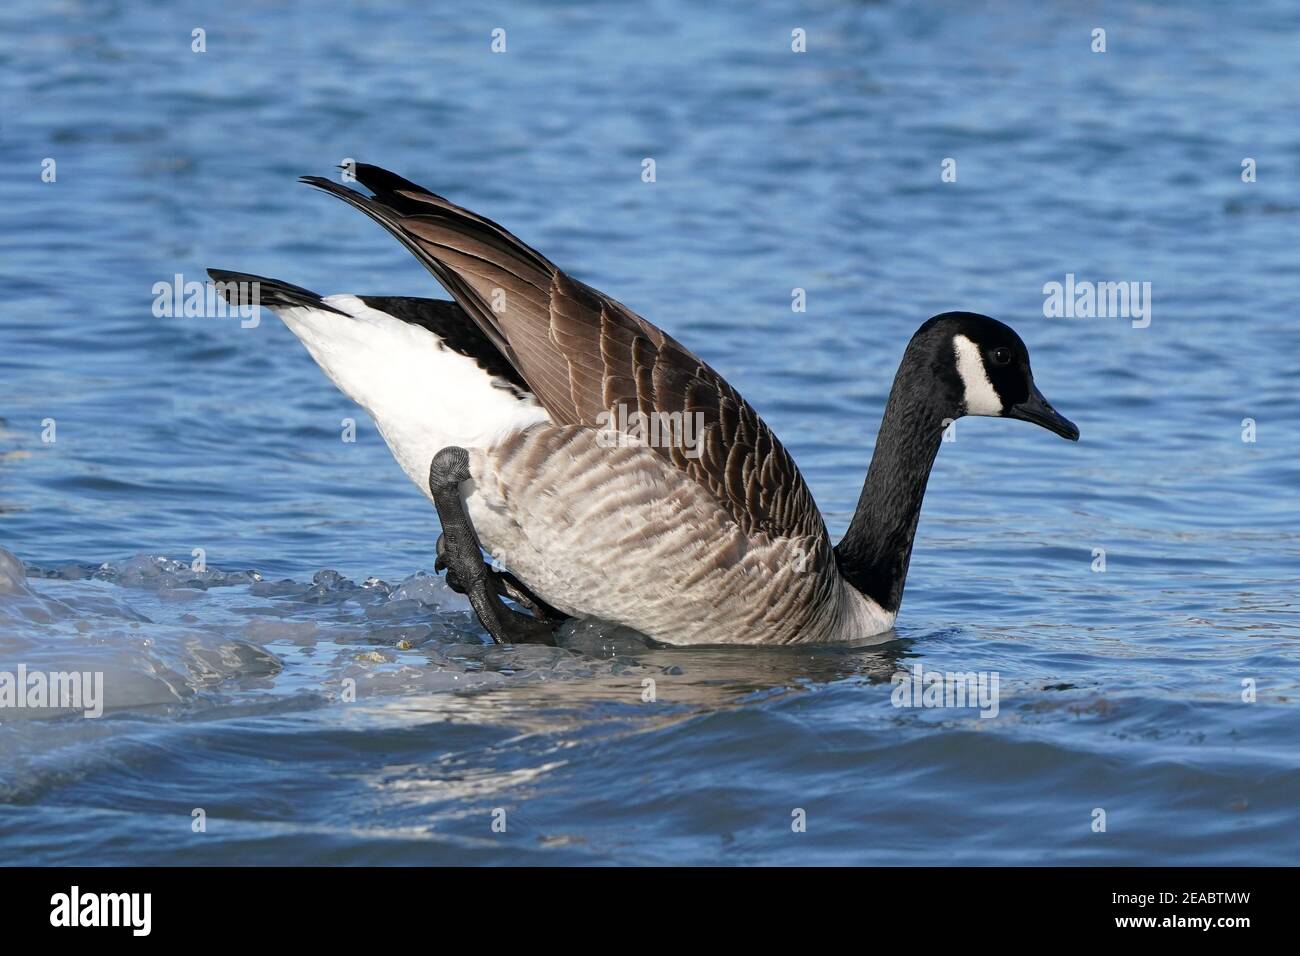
[1037,410]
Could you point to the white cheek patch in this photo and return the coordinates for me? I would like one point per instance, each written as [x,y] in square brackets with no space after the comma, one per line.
[981,397]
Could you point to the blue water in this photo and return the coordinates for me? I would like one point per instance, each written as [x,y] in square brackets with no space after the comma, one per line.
[1121,690]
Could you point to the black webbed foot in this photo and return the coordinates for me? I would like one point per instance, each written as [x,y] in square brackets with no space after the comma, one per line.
[462,557]
[505,583]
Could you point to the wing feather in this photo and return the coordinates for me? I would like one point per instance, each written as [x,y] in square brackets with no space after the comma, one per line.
[584,354]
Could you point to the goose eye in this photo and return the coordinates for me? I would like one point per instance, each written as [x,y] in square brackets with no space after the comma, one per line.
[1001,356]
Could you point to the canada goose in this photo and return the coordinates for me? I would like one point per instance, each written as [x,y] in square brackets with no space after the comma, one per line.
[506,406]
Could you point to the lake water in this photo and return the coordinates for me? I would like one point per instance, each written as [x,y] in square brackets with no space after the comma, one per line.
[1121,690]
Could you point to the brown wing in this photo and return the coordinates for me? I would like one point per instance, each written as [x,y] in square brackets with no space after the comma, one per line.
[586,356]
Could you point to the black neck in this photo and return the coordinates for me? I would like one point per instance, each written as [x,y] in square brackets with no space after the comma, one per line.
[874,553]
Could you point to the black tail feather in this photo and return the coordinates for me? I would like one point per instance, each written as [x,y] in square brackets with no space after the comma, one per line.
[241,288]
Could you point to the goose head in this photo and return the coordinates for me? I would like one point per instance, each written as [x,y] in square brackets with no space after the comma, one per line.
[985,368]
[956,364]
